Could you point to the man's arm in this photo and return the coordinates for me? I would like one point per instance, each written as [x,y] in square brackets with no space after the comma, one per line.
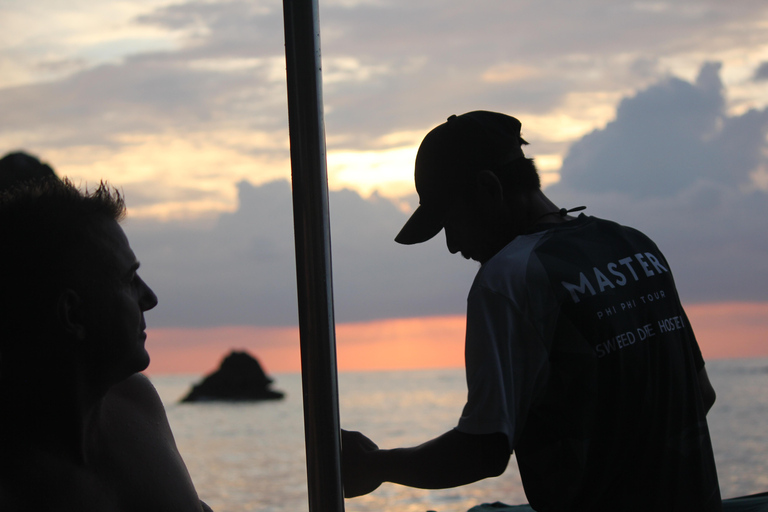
[707,391]
[453,459]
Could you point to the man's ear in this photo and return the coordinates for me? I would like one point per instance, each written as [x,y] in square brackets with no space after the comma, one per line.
[68,314]
[490,192]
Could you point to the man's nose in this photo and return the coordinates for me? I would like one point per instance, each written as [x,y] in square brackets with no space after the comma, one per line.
[148,298]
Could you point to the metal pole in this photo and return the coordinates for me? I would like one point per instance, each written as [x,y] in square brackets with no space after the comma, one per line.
[313,255]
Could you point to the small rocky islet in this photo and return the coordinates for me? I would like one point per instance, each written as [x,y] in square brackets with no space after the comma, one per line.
[239,378]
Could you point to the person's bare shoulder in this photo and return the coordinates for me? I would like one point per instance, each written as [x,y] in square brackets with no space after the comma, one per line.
[138,388]
[137,396]
[137,429]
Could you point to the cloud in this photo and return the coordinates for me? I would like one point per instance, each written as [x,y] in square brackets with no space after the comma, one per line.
[389,66]
[149,94]
[227,71]
[240,269]
[674,164]
[237,271]
[170,85]
[672,125]
[761,73]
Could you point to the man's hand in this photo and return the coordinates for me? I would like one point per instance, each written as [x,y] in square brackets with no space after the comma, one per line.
[356,468]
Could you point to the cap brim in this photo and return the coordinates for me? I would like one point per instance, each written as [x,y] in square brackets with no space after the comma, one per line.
[424,224]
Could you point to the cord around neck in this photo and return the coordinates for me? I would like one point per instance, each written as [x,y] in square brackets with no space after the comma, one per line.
[562,212]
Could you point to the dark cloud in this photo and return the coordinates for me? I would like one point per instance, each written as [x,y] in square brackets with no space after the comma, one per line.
[675,165]
[662,139]
[241,269]
[761,73]
[666,138]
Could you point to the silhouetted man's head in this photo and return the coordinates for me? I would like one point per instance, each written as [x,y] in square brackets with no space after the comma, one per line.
[70,290]
[449,161]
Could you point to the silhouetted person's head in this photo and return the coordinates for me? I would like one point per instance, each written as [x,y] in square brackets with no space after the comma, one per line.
[19,167]
[70,293]
[475,183]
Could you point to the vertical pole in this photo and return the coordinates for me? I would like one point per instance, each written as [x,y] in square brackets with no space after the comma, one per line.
[313,255]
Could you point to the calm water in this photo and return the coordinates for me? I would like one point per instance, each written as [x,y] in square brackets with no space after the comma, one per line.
[250,457]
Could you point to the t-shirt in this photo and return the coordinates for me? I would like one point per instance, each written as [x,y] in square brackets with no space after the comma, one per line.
[578,349]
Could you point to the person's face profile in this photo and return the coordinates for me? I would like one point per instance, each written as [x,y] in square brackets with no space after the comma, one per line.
[115,303]
[466,229]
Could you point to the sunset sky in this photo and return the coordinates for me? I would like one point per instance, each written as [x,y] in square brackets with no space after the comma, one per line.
[651,113]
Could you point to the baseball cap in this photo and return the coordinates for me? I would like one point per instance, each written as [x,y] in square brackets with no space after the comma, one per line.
[449,156]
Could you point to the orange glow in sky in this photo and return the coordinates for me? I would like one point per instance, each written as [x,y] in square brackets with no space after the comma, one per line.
[728,330]
[431,342]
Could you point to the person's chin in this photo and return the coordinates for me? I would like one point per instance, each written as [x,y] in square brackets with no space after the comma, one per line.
[472,257]
[141,361]
[145,360]
[143,353]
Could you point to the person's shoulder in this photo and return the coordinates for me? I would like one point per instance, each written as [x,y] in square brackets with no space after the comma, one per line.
[137,434]
[134,408]
[138,393]
[605,227]
[508,272]
[137,386]
[608,224]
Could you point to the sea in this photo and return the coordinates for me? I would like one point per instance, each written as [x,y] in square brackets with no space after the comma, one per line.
[250,457]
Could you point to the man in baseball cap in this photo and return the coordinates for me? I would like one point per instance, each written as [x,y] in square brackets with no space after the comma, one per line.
[579,356]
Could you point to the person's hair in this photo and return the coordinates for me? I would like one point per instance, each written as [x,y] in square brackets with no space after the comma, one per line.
[19,167]
[519,175]
[47,228]
[516,177]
